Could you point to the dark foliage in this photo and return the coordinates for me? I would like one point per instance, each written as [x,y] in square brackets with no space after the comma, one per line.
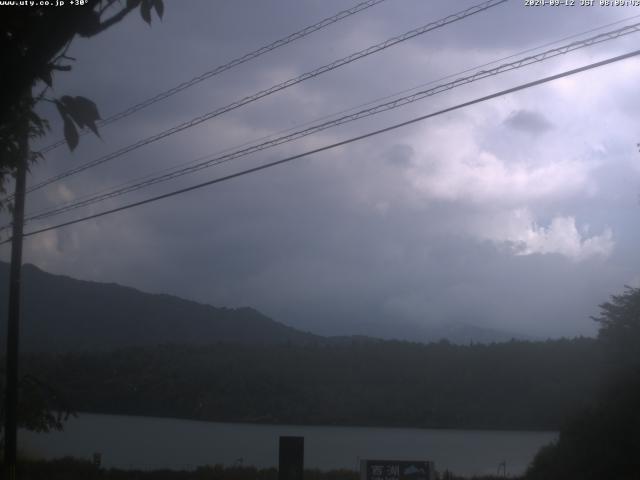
[33,45]
[74,469]
[274,373]
[41,409]
[604,440]
[515,385]
[619,333]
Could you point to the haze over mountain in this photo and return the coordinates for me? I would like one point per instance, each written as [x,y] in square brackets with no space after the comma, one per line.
[459,332]
[60,313]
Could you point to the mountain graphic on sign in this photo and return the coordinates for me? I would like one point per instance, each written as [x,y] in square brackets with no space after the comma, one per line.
[413,471]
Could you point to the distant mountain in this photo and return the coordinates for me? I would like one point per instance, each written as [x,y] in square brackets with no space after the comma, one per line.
[60,313]
[457,332]
[465,333]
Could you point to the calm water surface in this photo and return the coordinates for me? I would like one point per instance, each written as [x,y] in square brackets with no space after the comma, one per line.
[150,443]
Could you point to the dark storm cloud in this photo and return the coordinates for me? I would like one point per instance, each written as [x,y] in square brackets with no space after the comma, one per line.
[400,155]
[527,121]
[411,227]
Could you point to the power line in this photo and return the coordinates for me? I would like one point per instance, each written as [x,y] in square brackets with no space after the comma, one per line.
[227,66]
[377,109]
[341,112]
[402,101]
[281,86]
[338,144]
[325,117]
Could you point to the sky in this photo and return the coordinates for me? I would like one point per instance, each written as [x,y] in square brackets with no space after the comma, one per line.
[519,214]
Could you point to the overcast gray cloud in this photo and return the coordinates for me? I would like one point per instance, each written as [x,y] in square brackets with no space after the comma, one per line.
[528,121]
[518,214]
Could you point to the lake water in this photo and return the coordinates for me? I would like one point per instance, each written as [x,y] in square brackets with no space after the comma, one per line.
[151,443]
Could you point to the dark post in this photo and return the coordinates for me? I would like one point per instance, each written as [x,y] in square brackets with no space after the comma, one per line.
[291,458]
[11,400]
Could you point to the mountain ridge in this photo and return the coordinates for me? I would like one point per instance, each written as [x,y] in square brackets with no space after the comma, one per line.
[61,313]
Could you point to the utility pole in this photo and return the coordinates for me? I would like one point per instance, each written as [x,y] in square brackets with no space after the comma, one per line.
[13,324]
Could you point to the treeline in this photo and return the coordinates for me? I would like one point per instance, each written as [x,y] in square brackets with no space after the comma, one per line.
[514,385]
[75,469]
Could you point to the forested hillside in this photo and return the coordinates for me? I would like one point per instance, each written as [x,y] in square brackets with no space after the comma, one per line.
[65,314]
[60,314]
[514,385]
[129,352]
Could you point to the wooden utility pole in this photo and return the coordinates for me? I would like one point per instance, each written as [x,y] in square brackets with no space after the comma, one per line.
[13,324]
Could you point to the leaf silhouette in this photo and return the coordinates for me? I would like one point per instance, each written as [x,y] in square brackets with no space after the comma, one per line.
[145,11]
[78,111]
[70,133]
[159,6]
[83,112]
